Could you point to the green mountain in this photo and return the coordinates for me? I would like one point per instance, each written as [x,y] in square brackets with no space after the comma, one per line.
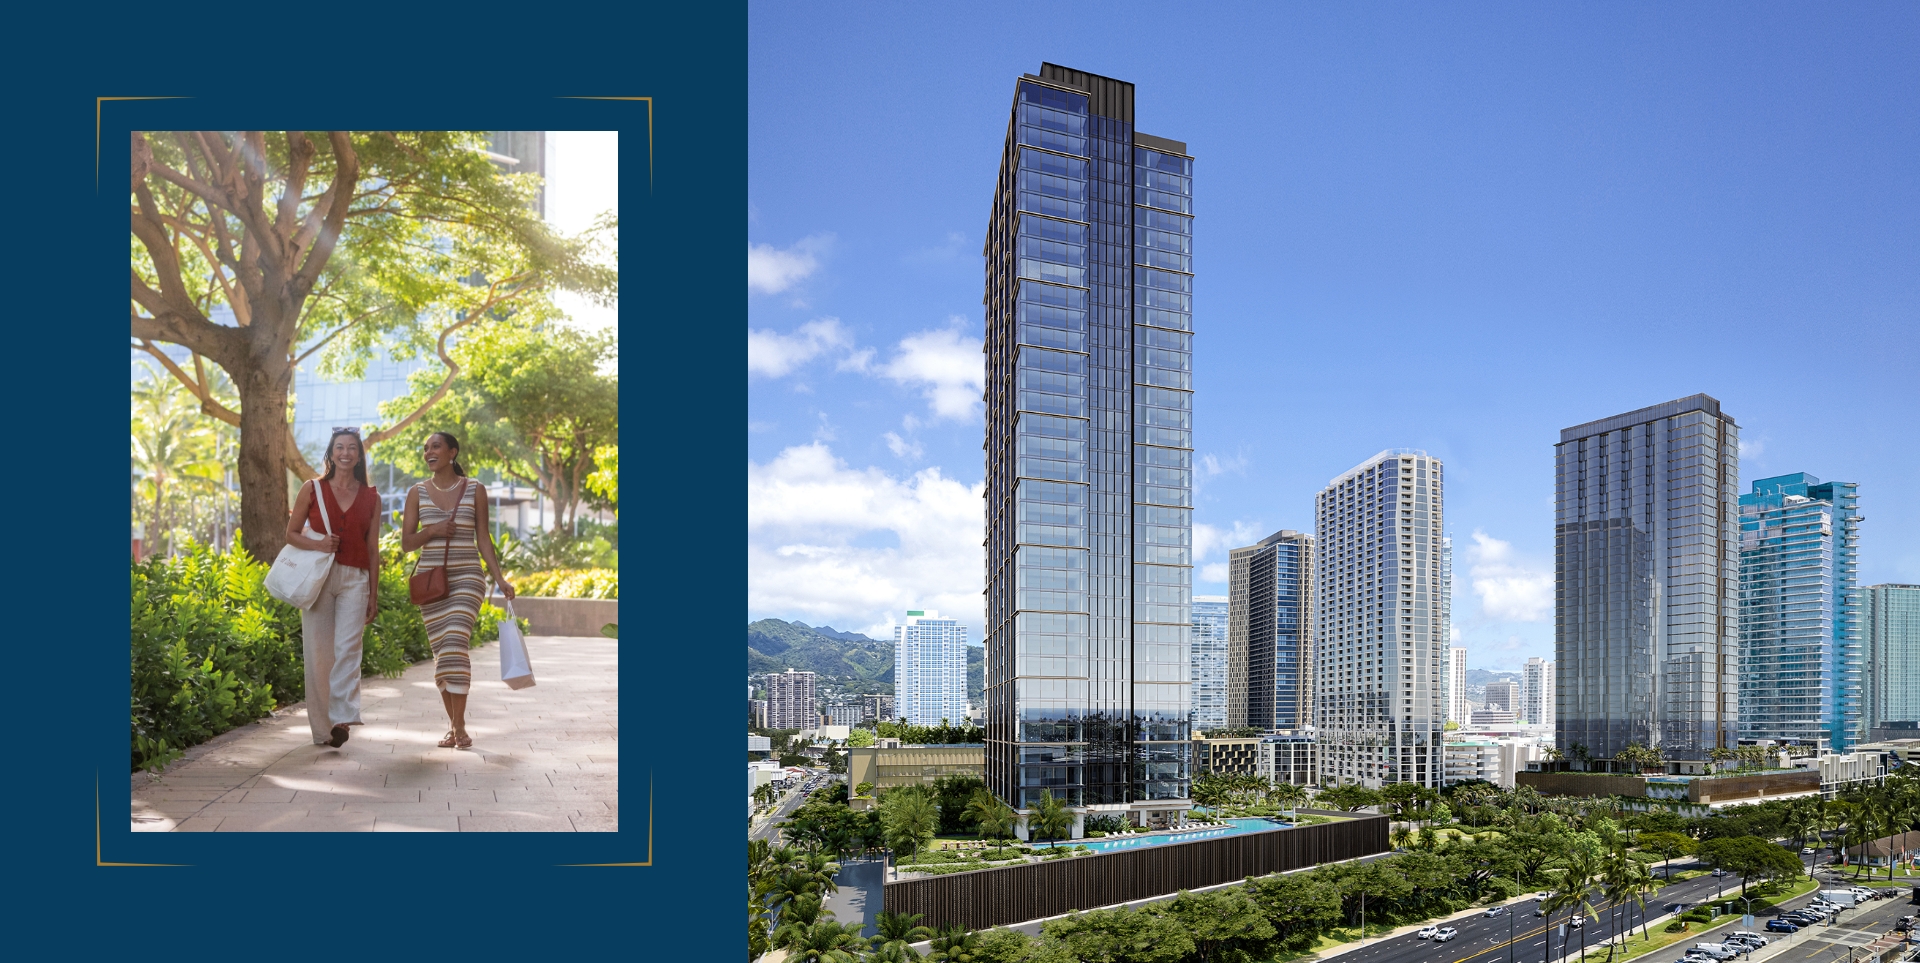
[853,662]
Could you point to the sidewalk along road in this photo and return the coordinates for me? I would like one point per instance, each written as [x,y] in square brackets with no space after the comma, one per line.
[544,759]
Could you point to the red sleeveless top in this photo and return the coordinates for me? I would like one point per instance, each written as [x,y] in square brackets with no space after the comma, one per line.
[351,525]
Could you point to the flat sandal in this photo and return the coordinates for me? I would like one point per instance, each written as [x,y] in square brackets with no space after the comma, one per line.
[449,741]
[464,742]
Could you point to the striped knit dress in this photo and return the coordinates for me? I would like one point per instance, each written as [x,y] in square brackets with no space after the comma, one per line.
[450,619]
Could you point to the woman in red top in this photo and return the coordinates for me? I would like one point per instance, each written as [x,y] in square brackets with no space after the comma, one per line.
[330,630]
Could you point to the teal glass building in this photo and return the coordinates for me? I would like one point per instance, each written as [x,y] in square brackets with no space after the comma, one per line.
[1802,638]
[1089,454]
[1893,653]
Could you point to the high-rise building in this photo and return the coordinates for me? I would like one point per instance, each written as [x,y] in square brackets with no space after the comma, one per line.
[1503,694]
[1458,710]
[1380,663]
[1536,692]
[876,708]
[1646,572]
[930,669]
[1209,663]
[1269,633]
[1446,588]
[790,700]
[1802,645]
[1089,454]
[1893,653]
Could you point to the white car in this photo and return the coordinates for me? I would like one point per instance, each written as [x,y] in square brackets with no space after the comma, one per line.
[1578,921]
[1719,951]
[1446,933]
[1806,851]
[1428,933]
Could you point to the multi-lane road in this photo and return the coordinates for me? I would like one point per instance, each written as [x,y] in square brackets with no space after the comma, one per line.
[768,827]
[1484,939]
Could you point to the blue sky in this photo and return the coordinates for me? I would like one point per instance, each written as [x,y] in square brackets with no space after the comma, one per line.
[1458,228]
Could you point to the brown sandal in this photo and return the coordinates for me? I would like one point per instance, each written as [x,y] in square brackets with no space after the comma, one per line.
[449,742]
[465,742]
[340,734]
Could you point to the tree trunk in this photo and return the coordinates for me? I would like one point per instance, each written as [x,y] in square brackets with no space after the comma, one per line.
[264,502]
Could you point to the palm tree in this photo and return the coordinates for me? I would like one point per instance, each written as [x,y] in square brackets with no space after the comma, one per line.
[1572,891]
[911,820]
[1051,819]
[987,812]
[1402,835]
[1719,754]
[900,929]
[828,942]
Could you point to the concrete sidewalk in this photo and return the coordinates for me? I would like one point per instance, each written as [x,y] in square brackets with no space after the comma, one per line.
[544,759]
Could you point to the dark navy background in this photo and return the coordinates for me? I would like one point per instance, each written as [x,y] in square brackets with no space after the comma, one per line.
[371,896]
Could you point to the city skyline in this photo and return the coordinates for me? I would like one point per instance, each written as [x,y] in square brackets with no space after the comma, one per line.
[1439,197]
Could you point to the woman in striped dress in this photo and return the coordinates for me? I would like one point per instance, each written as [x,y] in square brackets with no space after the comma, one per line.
[447,514]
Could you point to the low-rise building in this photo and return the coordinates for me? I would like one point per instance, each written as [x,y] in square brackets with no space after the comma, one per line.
[759,744]
[889,764]
[1495,760]
[1226,755]
[1494,716]
[1288,758]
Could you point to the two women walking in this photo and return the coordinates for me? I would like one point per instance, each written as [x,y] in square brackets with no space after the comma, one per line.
[446,518]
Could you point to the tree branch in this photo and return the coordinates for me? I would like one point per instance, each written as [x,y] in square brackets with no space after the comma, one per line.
[299,154]
[453,367]
[336,333]
[346,173]
[209,405]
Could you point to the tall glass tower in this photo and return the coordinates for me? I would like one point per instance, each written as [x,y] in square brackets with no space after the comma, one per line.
[1802,652]
[1208,664]
[1089,454]
[1270,634]
[930,669]
[1646,573]
[1893,653]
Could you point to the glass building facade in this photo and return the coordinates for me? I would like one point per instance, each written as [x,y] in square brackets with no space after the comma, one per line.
[1380,650]
[1089,453]
[1893,653]
[930,669]
[1270,634]
[1646,573]
[1207,659]
[1802,645]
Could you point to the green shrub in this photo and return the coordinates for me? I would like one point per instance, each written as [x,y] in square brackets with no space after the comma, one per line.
[212,650]
[570,583]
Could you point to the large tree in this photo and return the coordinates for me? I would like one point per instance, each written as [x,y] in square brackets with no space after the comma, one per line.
[534,403]
[333,244]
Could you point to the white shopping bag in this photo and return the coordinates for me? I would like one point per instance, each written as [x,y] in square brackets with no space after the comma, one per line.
[515,670]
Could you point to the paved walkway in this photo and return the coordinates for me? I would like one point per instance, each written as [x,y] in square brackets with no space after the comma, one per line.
[544,759]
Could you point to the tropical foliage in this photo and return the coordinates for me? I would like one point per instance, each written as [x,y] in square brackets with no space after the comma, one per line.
[590,583]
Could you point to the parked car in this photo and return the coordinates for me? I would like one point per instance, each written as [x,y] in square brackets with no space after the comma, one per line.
[1495,911]
[1750,936]
[1719,951]
[1445,933]
[1782,925]
[1428,933]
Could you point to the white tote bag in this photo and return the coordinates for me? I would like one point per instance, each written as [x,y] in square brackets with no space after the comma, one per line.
[515,670]
[298,573]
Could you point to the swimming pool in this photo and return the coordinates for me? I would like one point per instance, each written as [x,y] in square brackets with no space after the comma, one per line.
[1234,827]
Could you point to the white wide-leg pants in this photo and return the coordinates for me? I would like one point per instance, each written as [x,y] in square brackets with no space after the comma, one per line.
[330,635]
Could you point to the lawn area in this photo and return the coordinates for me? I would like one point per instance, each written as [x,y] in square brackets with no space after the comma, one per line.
[1696,932]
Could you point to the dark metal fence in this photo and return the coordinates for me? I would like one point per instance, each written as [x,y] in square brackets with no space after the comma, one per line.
[1014,894]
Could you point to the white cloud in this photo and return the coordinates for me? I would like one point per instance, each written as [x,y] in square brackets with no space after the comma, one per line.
[829,544]
[1510,590]
[1752,448]
[771,270]
[1208,539]
[948,368]
[902,448]
[774,354]
[1214,465]
[1214,572]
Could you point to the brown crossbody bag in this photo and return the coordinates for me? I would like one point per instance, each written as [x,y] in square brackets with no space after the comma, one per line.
[430,585]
